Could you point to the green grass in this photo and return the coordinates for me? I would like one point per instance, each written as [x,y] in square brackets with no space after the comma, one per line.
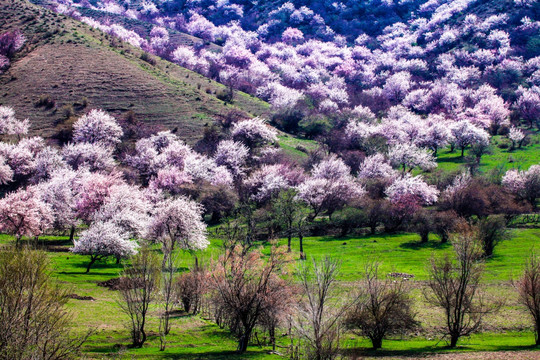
[499,158]
[194,337]
[289,145]
[404,253]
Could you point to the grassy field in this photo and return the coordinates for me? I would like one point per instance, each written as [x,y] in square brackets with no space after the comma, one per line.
[500,158]
[194,337]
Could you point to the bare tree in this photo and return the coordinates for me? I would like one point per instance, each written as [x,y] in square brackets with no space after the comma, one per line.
[455,287]
[318,322]
[138,290]
[245,289]
[168,274]
[191,287]
[528,288]
[33,321]
[292,215]
[383,307]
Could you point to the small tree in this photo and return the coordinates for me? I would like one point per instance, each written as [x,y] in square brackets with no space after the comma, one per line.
[190,287]
[138,291]
[290,213]
[383,307]
[528,288]
[33,321]
[422,223]
[318,322]
[491,230]
[455,287]
[246,288]
[104,239]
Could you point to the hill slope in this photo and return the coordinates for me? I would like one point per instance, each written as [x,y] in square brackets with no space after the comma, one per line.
[80,68]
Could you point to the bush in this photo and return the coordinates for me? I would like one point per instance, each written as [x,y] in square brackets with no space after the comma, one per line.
[33,321]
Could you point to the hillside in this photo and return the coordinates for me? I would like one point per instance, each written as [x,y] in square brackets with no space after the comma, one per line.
[79,67]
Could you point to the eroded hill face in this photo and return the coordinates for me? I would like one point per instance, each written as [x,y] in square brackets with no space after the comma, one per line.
[78,69]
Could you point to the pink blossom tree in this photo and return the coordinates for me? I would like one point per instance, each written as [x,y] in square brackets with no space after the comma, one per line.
[414,186]
[9,125]
[524,184]
[94,156]
[233,155]
[23,213]
[102,240]
[517,136]
[178,222]
[464,134]
[97,127]
[253,132]
[408,156]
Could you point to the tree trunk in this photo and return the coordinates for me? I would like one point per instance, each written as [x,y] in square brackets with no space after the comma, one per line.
[301,241]
[243,343]
[376,343]
[289,239]
[72,234]
[92,261]
[462,151]
[453,340]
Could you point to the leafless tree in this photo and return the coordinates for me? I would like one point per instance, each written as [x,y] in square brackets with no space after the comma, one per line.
[455,287]
[190,287]
[245,287]
[138,290]
[528,288]
[383,307]
[168,275]
[293,216]
[33,321]
[318,322]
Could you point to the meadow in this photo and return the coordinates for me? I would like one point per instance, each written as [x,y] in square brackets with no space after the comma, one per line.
[194,337]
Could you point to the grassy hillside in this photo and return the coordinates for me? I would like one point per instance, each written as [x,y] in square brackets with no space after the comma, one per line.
[80,68]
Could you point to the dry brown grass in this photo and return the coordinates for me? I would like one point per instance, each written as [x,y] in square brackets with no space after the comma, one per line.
[68,61]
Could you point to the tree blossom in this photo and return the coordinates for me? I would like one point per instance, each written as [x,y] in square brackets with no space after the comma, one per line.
[376,166]
[266,182]
[412,186]
[253,132]
[94,156]
[92,190]
[331,168]
[233,155]
[517,136]
[436,135]
[9,125]
[170,179]
[528,105]
[60,194]
[323,194]
[23,213]
[6,174]
[525,184]
[179,221]
[408,157]
[104,239]
[127,207]
[465,134]
[292,36]
[397,86]
[97,127]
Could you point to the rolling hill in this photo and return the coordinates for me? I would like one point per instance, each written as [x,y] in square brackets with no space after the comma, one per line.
[79,68]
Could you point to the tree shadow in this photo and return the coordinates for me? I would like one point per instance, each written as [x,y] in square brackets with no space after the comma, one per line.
[431,349]
[431,244]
